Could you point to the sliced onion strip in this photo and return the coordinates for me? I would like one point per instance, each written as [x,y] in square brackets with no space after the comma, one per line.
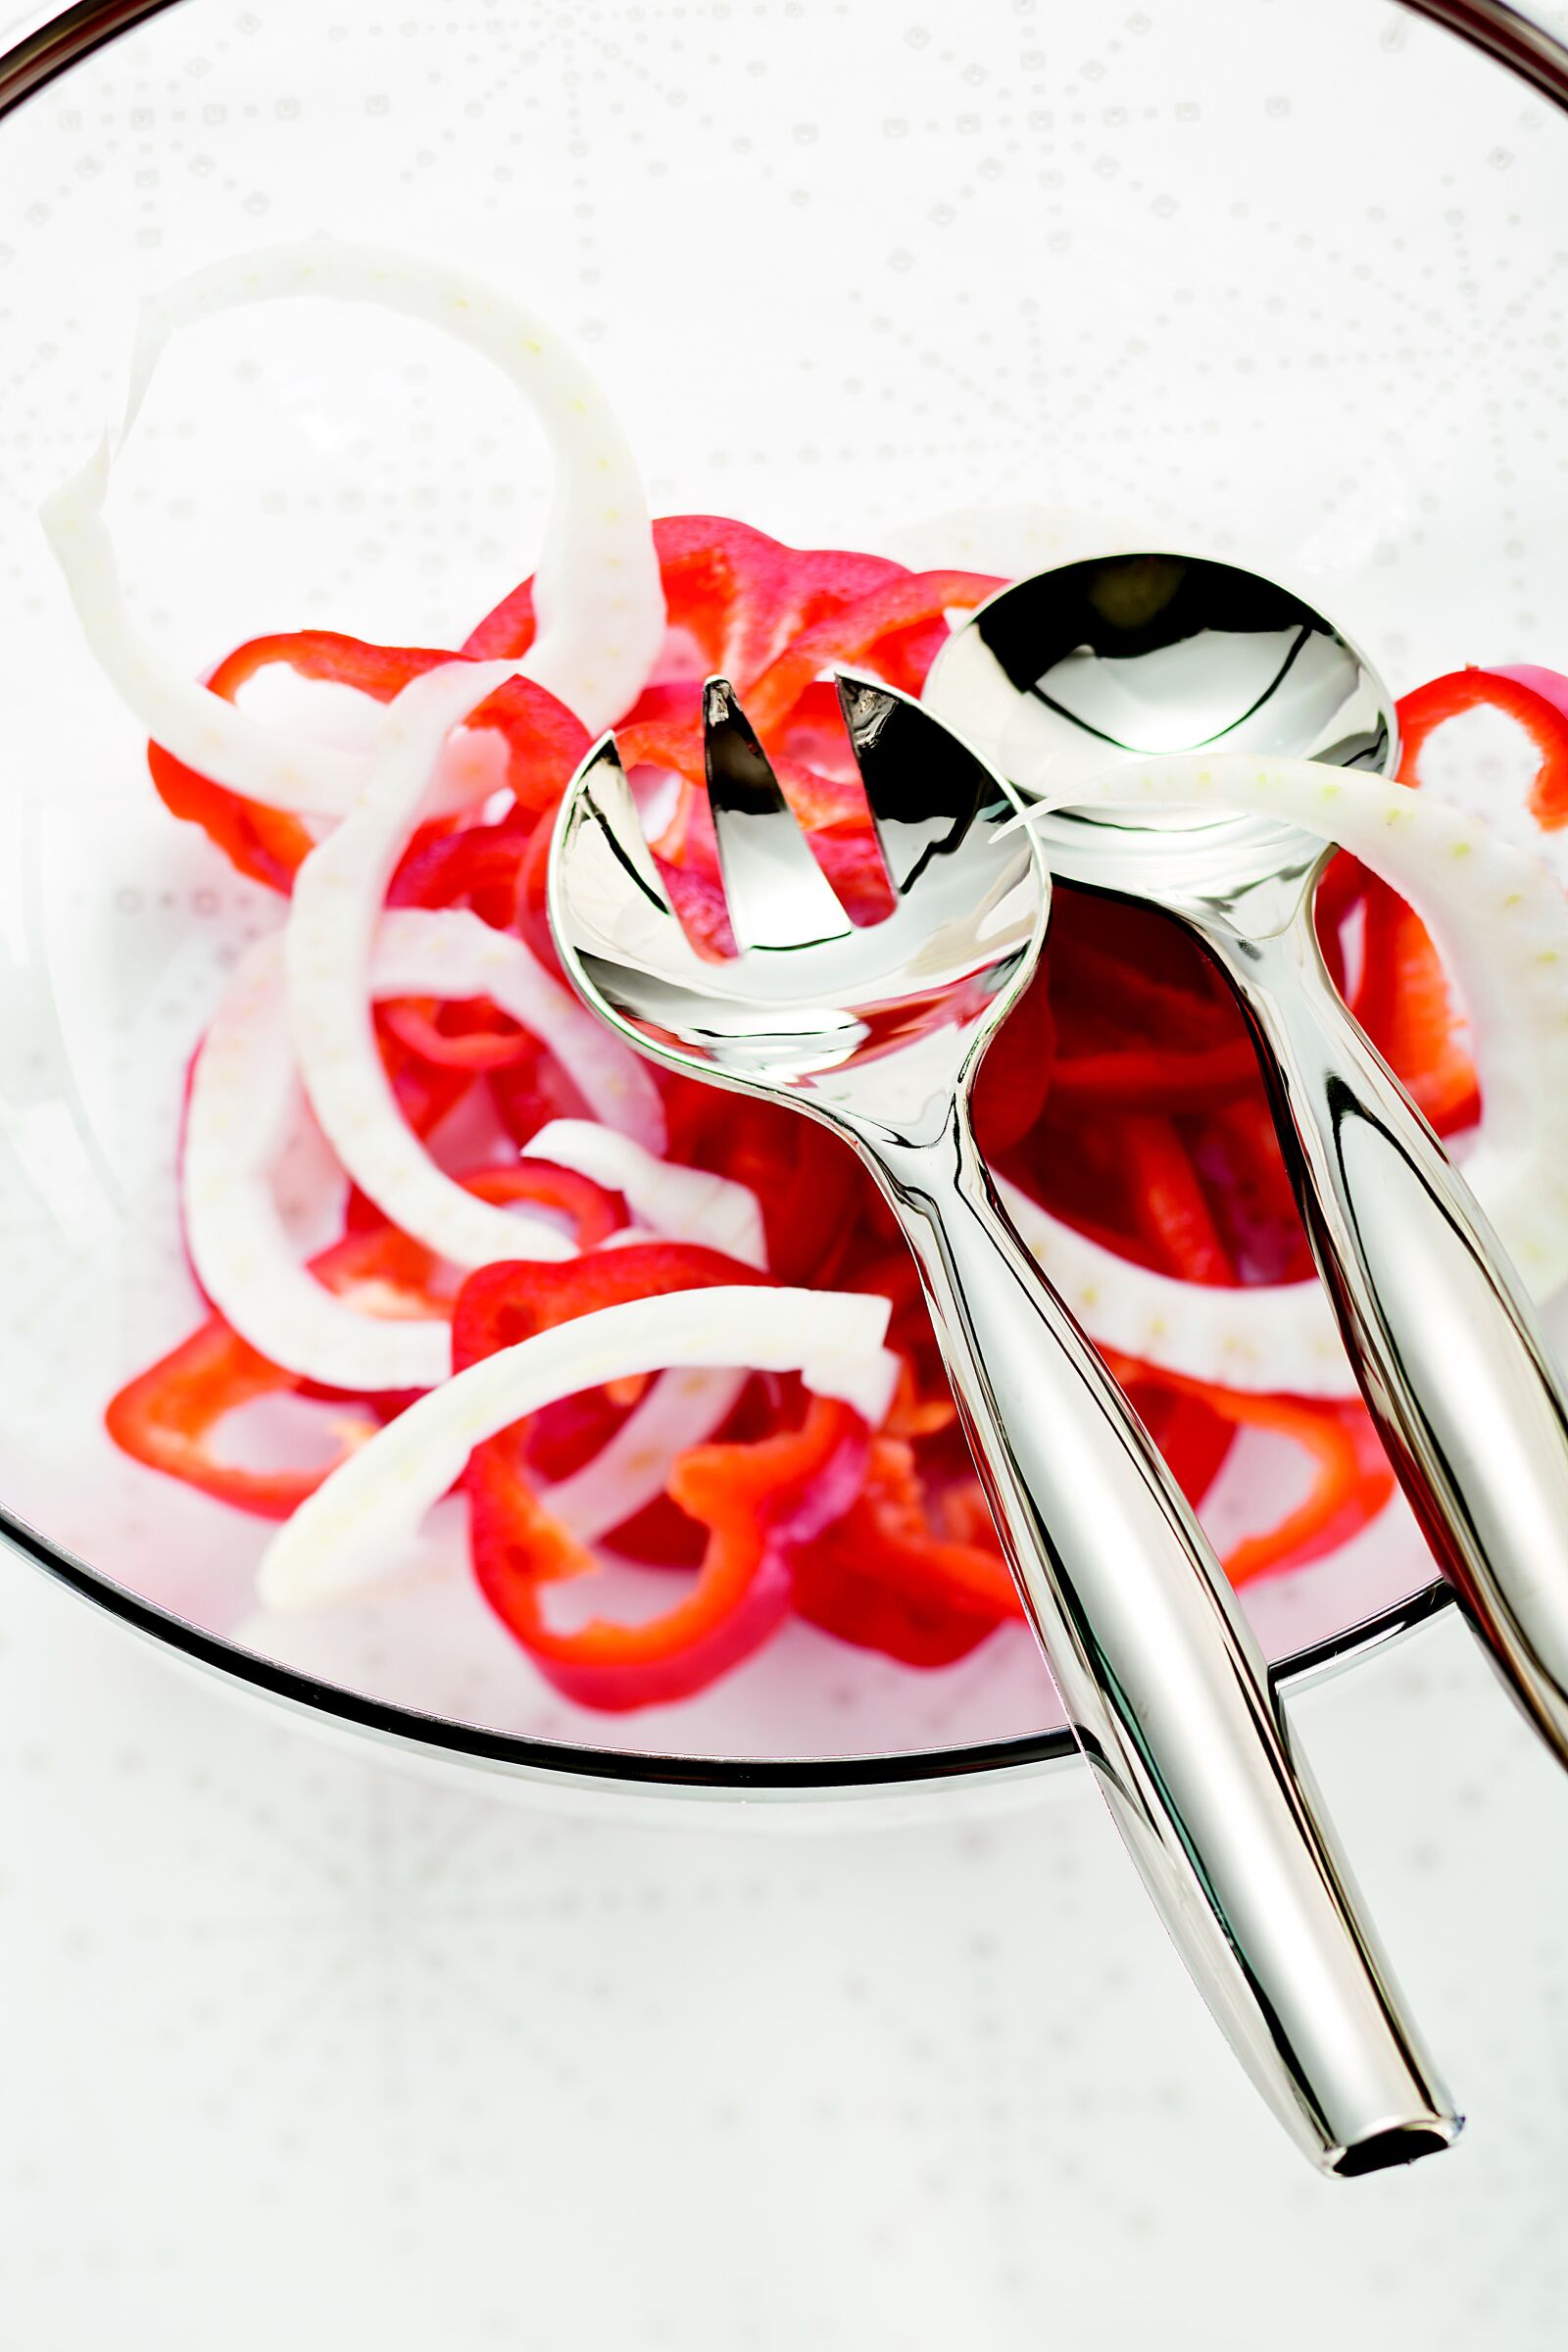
[351,1531]
[596,589]
[681,1203]
[328,943]
[244,1110]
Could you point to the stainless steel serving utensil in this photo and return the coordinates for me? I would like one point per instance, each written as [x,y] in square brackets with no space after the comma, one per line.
[1124,657]
[878,1032]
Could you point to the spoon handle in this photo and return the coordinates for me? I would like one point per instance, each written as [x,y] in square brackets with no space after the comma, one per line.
[1446,1345]
[1164,1686]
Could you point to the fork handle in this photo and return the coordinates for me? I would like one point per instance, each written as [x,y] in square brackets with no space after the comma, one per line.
[1446,1343]
[1163,1685]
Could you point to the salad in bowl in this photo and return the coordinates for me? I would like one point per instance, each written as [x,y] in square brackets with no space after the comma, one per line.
[415,1184]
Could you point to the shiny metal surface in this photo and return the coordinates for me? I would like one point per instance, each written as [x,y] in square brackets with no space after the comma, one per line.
[878,1031]
[1062,677]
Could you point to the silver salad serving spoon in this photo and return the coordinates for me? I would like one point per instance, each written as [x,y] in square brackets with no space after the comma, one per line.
[878,1031]
[1123,658]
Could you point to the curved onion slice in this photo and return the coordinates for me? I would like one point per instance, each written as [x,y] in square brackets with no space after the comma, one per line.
[680,1411]
[1500,925]
[328,942]
[683,1205]
[597,593]
[350,1531]
[682,1408]
[449,953]
[246,1107]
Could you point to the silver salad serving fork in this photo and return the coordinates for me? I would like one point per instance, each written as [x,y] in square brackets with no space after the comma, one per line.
[878,1030]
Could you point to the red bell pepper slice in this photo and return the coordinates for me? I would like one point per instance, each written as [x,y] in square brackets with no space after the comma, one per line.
[760,1503]
[883,1577]
[458,1036]
[545,742]
[1352,1481]
[1151,1079]
[478,868]
[1546,723]
[1403,1001]
[924,1581]
[1173,1212]
[756,1500]
[736,594]
[855,633]
[169,1416]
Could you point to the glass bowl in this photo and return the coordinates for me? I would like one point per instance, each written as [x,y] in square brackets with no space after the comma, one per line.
[1279,283]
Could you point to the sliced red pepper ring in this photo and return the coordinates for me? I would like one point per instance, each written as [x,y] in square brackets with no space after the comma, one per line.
[458,1036]
[757,1500]
[1427,709]
[738,596]
[1144,1078]
[544,742]
[1404,1005]
[759,1503]
[853,632]
[882,1578]
[1352,1480]
[479,866]
[1403,1001]
[1173,1212]
[808,1183]
[925,1582]
[169,1415]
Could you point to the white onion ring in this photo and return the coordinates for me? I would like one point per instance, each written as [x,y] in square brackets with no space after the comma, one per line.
[246,1107]
[682,1204]
[1500,925]
[598,597]
[349,1533]
[328,942]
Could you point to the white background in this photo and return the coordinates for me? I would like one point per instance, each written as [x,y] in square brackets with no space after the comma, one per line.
[299,2049]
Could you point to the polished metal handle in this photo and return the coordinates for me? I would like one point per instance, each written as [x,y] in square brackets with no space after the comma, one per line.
[1448,1349]
[1164,1687]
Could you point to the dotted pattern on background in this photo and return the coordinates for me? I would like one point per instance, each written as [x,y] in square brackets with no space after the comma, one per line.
[298,2046]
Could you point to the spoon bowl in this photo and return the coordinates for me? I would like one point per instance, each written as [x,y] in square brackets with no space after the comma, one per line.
[1118,658]
[1060,681]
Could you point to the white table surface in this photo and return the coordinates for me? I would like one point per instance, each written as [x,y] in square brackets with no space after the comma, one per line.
[301,2048]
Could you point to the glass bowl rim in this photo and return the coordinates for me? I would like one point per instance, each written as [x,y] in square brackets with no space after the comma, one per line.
[48,47]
